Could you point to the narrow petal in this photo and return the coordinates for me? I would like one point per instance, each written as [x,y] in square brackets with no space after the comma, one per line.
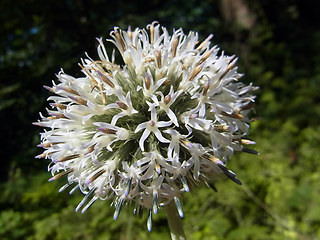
[172,117]
[141,126]
[144,136]
[160,137]
[163,124]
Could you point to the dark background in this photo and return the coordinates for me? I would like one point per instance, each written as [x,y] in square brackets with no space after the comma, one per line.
[278,45]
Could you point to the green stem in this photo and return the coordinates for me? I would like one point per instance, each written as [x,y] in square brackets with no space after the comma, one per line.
[174,222]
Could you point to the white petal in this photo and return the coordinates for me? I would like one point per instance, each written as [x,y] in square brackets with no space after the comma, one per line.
[116,117]
[144,136]
[160,137]
[172,117]
[141,126]
[163,124]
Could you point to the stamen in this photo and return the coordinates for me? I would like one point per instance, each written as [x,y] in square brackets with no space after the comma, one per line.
[90,149]
[155,202]
[206,88]
[152,32]
[64,187]
[44,154]
[39,124]
[107,130]
[247,106]
[179,208]
[89,204]
[199,48]
[175,43]
[147,81]
[213,159]
[195,72]
[85,199]
[105,79]
[140,211]
[158,57]
[67,158]
[74,189]
[58,105]
[193,116]
[67,89]
[55,115]
[231,175]
[48,144]
[247,141]
[152,123]
[205,57]
[210,184]
[78,100]
[247,150]
[92,78]
[59,175]
[119,37]
[220,127]
[149,222]
[158,168]
[167,99]
[118,208]
[184,183]
[49,88]
[230,66]
[95,176]
[128,187]
[232,115]
[122,105]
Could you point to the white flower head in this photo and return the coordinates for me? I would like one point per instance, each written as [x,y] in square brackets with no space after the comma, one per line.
[146,132]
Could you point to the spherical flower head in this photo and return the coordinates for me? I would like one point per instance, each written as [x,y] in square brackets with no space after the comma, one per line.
[146,132]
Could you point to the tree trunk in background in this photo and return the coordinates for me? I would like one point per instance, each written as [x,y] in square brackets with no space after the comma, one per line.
[237,13]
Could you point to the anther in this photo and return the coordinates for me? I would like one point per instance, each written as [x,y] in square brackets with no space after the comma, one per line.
[89,149]
[232,115]
[122,105]
[205,57]
[167,99]
[152,32]
[175,42]
[67,158]
[107,130]
[58,105]
[149,222]
[152,123]
[119,37]
[204,42]
[78,100]
[105,79]
[195,72]
[118,208]
[59,175]
[247,141]
[206,88]
[158,58]
[179,208]
[95,176]
[67,89]
[147,81]
[84,200]
[49,88]
[155,202]
[247,150]
[220,127]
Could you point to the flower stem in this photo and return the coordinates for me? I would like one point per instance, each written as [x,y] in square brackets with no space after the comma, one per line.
[174,222]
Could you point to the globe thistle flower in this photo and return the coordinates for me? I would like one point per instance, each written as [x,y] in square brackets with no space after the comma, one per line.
[161,124]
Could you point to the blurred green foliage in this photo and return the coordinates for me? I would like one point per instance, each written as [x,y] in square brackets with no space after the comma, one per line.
[278,44]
